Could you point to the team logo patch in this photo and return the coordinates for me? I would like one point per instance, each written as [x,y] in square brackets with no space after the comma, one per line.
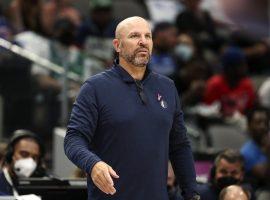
[162,102]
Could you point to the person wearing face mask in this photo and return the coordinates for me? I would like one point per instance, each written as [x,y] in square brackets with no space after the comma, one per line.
[228,170]
[186,48]
[23,159]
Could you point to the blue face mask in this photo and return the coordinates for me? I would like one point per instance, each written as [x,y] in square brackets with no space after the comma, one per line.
[184,52]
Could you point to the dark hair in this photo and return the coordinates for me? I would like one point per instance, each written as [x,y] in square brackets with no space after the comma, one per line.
[230,155]
[16,137]
[250,113]
[232,57]
[162,26]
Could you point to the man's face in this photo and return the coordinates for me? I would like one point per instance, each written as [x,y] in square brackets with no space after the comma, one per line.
[26,148]
[135,44]
[227,169]
[259,126]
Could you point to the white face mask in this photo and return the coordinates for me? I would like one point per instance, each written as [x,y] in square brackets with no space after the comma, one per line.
[24,167]
[184,51]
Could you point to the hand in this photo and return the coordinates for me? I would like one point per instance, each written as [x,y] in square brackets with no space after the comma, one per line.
[101,175]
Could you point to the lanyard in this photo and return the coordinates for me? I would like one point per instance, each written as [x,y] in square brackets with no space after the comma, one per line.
[9,180]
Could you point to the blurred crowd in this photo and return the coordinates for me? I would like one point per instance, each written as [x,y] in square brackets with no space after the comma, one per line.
[222,74]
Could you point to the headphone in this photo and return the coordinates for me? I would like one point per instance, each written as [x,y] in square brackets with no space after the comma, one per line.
[16,137]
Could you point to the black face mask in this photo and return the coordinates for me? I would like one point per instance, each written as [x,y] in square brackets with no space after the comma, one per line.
[226,181]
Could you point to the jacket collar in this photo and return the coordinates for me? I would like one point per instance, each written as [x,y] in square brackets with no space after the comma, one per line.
[125,76]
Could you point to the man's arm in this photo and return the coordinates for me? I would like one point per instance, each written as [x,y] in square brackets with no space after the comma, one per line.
[81,129]
[79,137]
[181,154]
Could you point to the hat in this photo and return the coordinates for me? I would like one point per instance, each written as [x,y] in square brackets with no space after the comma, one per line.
[94,4]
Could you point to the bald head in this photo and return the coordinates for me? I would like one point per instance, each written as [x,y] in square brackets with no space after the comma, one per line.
[234,192]
[133,42]
[127,23]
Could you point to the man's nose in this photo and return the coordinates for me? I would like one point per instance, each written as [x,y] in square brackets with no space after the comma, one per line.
[142,41]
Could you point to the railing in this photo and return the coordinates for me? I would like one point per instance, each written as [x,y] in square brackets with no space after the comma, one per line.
[45,63]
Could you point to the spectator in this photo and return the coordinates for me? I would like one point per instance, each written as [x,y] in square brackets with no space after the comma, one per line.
[163,60]
[100,22]
[54,9]
[96,33]
[234,192]
[199,23]
[26,15]
[232,88]
[194,70]
[257,150]
[257,52]
[228,169]
[23,158]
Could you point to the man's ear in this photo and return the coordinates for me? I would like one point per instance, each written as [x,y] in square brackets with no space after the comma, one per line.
[116,45]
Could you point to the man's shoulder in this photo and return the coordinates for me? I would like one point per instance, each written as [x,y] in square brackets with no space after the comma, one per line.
[100,77]
[249,146]
[162,79]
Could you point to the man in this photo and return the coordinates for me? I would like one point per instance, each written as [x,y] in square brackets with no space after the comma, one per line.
[23,159]
[228,169]
[234,192]
[127,122]
[163,60]
[232,88]
[257,150]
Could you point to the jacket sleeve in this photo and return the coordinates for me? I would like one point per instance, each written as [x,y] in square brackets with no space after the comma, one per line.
[81,129]
[181,155]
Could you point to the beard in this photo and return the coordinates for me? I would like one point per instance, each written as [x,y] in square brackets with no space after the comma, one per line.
[135,59]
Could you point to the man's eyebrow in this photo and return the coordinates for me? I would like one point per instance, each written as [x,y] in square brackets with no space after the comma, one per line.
[135,32]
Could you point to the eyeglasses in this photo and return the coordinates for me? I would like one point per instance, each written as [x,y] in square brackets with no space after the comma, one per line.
[140,92]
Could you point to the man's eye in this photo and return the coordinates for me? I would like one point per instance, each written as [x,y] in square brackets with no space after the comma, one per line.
[134,36]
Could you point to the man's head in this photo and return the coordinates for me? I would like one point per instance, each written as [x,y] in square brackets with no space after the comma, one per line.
[192,4]
[258,123]
[234,63]
[133,41]
[234,192]
[64,31]
[164,37]
[228,169]
[24,153]
[101,12]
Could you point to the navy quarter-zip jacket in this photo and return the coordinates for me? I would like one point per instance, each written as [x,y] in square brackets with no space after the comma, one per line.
[110,122]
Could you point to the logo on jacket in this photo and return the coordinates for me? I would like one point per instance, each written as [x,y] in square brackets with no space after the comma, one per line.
[162,102]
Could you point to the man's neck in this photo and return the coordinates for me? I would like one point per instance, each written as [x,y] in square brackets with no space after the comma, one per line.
[136,72]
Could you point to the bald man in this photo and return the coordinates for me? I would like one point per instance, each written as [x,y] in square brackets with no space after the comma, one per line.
[127,123]
[234,192]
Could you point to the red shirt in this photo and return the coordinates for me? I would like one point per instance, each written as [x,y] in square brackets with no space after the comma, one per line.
[241,97]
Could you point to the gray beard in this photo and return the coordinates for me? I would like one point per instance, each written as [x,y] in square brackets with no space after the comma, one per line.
[134,60]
